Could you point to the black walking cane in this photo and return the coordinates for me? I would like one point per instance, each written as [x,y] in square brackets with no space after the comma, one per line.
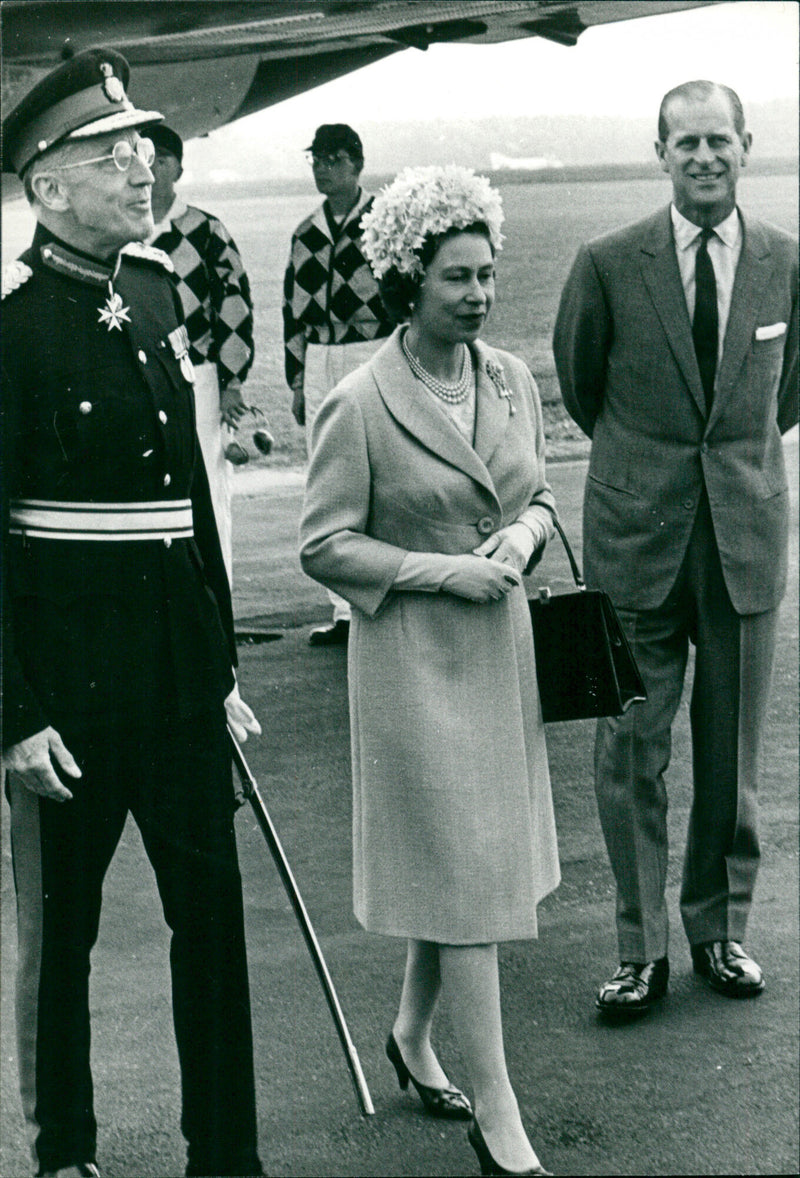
[253,796]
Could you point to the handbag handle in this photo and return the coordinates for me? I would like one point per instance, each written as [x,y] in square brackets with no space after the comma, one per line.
[573,564]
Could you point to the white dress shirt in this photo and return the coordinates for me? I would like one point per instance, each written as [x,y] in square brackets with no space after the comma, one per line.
[724,248]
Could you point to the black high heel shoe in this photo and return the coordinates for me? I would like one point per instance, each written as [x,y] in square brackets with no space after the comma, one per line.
[487,1163]
[449,1103]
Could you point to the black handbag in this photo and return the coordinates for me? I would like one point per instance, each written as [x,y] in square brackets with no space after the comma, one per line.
[584,664]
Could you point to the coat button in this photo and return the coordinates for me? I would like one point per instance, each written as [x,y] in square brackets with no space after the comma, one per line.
[85,406]
[167,479]
[142,356]
[486,525]
[162,417]
[688,504]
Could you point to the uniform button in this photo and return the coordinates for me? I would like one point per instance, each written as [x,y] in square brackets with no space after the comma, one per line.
[142,356]
[486,525]
[85,406]
[162,417]
[167,541]
[688,504]
[167,479]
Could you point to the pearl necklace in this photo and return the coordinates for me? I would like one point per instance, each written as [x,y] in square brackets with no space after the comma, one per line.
[453,394]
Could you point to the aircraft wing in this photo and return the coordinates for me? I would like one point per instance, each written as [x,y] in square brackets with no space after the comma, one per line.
[204,63]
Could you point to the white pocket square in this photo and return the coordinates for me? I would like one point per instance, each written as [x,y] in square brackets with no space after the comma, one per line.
[771,331]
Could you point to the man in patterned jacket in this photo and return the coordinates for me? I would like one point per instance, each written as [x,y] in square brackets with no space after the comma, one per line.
[215,293]
[333,317]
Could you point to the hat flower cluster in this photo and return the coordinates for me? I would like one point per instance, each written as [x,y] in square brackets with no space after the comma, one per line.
[425,202]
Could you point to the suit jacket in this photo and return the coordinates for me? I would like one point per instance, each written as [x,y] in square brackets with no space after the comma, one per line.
[629,377]
[99,632]
[390,473]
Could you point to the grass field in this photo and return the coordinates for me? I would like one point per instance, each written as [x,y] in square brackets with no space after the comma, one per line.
[545,224]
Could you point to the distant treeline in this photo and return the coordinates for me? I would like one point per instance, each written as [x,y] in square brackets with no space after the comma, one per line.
[575,174]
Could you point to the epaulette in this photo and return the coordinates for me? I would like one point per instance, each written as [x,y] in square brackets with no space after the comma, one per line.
[15,274]
[148,253]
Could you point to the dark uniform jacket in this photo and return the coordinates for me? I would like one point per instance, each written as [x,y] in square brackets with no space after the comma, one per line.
[98,632]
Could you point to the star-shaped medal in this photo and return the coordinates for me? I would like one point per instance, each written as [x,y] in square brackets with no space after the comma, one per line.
[113,313]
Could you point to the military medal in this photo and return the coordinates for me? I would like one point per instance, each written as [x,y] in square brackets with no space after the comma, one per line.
[179,339]
[113,313]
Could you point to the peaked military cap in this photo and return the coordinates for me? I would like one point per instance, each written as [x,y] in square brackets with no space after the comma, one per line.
[84,96]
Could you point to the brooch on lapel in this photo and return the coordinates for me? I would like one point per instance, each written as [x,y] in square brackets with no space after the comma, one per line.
[113,314]
[496,375]
[179,340]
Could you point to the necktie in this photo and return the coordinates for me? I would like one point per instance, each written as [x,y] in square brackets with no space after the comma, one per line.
[705,325]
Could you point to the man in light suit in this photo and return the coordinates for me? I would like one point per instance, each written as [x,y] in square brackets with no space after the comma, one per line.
[676,347]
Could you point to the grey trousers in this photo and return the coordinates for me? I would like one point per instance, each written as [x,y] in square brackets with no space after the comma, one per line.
[733,669]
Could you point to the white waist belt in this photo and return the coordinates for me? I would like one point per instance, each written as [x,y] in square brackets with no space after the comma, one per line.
[46,519]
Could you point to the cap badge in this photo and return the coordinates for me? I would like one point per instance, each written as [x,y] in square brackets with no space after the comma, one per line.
[113,313]
[112,86]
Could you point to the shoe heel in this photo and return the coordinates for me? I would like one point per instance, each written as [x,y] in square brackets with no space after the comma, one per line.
[397,1062]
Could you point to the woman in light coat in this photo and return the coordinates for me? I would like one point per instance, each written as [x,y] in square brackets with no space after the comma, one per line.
[426,500]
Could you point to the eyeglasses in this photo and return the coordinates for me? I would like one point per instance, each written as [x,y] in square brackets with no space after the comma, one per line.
[328,159]
[122,154]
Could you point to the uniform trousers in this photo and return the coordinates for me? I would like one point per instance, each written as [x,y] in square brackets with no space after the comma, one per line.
[176,783]
[325,366]
[733,668]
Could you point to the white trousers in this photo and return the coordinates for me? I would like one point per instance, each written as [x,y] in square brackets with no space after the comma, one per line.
[325,366]
[214,437]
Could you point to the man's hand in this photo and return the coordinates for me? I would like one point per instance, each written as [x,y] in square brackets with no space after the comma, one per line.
[240,717]
[231,404]
[299,406]
[32,760]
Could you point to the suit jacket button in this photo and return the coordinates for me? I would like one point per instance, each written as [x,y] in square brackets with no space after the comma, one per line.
[486,525]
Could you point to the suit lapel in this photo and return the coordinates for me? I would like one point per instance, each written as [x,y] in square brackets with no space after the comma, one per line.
[416,411]
[752,274]
[663,281]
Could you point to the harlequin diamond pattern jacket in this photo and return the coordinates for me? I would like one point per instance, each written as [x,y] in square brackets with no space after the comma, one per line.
[330,295]
[214,290]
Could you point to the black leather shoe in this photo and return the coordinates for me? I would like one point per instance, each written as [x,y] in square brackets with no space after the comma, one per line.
[727,969]
[76,1170]
[335,635]
[633,989]
[449,1103]
[487,1163]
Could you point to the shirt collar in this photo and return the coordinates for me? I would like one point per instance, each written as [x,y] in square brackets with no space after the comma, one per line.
[686,232]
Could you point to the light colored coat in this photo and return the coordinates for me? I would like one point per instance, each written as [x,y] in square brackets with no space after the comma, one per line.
[453,831]
[629,376]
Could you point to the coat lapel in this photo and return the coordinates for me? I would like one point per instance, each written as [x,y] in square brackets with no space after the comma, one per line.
[752,274]
[663,281]
[415,410]
[492,411]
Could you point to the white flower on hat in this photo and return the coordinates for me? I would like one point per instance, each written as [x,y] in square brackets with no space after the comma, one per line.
[423,202]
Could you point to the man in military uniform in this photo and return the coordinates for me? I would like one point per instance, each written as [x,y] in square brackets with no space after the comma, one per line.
[118,634]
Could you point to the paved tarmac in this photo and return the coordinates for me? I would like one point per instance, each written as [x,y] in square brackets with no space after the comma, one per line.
[701,1086]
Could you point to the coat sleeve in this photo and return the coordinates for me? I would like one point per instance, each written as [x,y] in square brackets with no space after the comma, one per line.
[232,307]
[334,547]
[788,391]
[23,715]
[580,342]
[294,339]
[206,538]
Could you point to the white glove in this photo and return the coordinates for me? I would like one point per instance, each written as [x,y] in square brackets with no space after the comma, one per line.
[478,579]
[511,545]
[240,717]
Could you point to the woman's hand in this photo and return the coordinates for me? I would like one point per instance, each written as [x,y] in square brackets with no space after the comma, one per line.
[512,545]
[479,579]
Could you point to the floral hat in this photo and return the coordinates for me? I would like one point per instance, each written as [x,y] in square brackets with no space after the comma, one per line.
[423,202]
